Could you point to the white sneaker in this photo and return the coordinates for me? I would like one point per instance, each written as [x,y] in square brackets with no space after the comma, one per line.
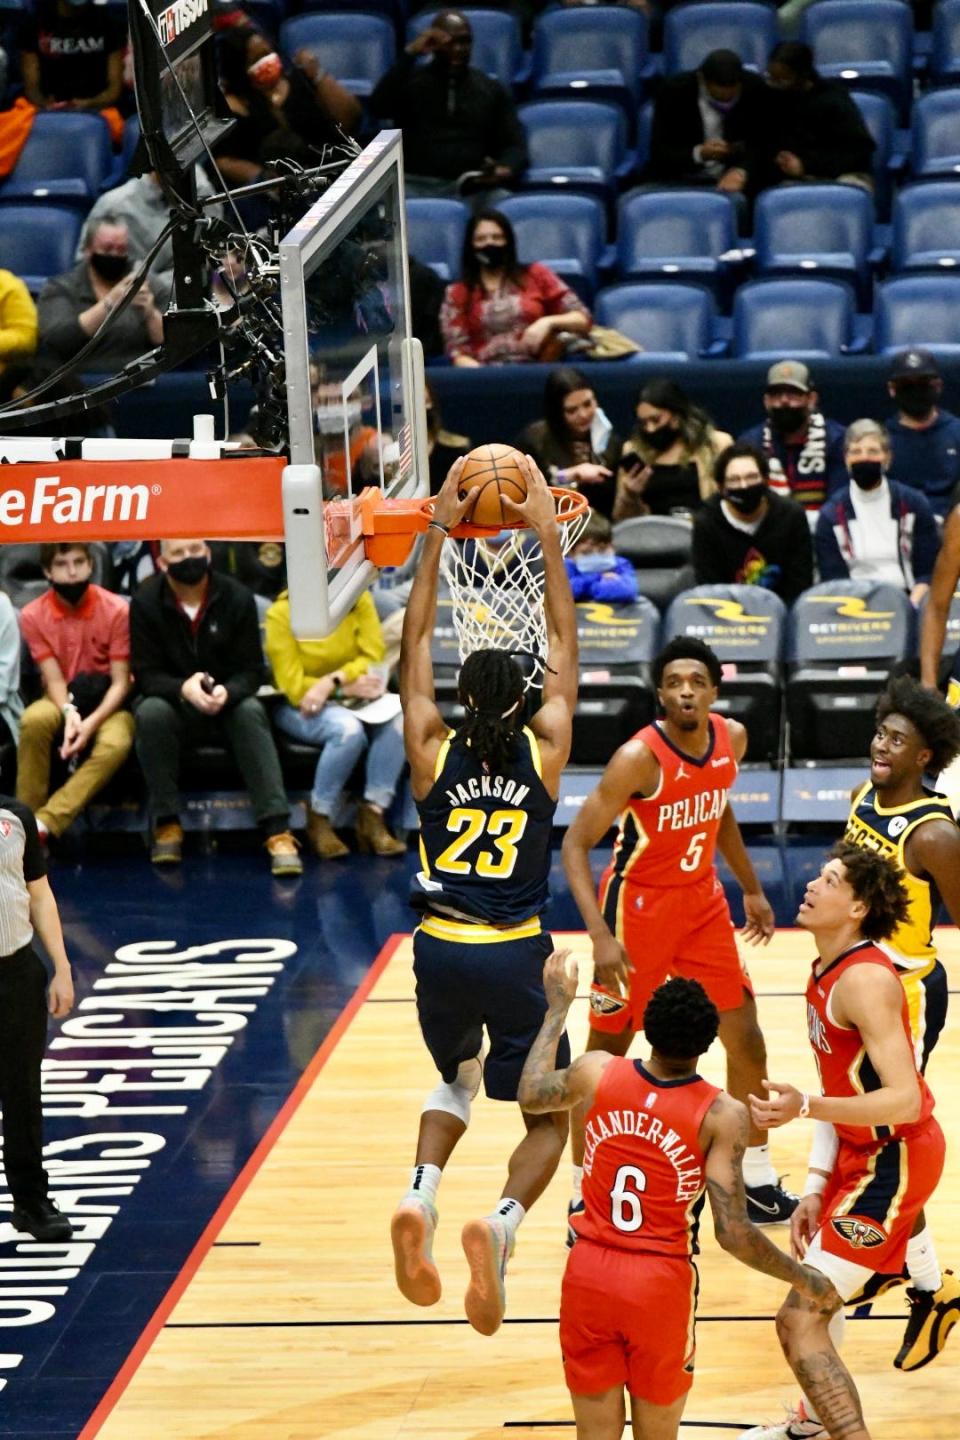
[411,1230]
[795,1427]
[487,1246]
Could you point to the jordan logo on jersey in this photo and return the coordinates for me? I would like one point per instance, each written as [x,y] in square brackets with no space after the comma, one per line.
[681,774]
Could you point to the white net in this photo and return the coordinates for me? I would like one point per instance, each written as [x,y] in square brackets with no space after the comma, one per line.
[496,586]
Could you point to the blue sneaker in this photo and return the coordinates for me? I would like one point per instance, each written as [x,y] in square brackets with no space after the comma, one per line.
[576,1207]
[770,1204]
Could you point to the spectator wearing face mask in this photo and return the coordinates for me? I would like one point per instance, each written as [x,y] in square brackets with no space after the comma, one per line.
[667,463]
[803,447]
[596,571]
[710,126]
[749,535]
[924,437]
[72,307]
[876,529]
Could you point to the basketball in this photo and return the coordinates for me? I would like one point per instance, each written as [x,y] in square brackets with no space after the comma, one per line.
[493,471]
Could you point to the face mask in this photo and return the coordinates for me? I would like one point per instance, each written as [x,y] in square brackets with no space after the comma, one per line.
[72,591]
[723,107]
[786,419]
[189,571]
[662,438]
[490,256]
[593,562]
[917,400]
[866,474]
[745,501]
[109,267]
[265,72]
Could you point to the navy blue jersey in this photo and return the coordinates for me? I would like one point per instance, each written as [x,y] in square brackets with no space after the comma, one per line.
[485,838]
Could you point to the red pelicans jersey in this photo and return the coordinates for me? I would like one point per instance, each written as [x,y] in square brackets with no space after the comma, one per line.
[643,1167]
[672,834]
[840,1053]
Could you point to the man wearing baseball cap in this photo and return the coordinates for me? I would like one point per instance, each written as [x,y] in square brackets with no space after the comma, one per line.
[925,437]
[803,448]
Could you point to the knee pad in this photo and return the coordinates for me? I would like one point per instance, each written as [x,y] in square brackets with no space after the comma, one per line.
[453,1099]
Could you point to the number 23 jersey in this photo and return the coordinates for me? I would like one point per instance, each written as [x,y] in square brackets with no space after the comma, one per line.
[485,837]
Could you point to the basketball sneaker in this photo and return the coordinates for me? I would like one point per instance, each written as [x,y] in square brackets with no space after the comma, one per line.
[411,1230]
[576,1207]
[488,1247]
[770,1204]
[933,1314]
[797,1426]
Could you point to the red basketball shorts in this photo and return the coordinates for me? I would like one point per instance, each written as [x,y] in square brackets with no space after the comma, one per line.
[628,1319]
[678,930]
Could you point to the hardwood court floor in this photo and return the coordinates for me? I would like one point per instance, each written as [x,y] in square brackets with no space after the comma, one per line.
[291,1328]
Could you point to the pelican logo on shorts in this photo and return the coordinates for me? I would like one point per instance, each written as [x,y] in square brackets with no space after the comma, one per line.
[897,826]
[859,1233]
[602,1002]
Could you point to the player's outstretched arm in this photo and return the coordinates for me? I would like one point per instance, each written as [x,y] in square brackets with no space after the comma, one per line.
[727,1131]
[542,1087]
[946,573]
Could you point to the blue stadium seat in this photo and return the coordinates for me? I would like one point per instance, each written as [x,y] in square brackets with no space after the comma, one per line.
[805,319]
[566,232]
[918,310]
[675,234]
[691,31]
[497,43]
[926,227]
[644,128]
[435,231]
[577,44]
[935,129]
[671,322]
[576,144]
[866,43]
[816,229]
[945,43]
[880,118]
[66,160]
[356,49]
[37,241]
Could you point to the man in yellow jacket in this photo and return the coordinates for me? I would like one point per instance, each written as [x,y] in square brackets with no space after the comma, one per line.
[18,322]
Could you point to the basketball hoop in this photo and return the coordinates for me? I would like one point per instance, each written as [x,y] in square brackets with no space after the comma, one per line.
[496,589]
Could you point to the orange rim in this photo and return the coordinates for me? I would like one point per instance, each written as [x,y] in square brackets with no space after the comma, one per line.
[574,504]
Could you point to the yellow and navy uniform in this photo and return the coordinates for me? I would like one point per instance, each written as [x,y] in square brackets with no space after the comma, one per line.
[886,829]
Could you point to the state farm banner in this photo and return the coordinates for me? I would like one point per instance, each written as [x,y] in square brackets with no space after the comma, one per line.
[228,499]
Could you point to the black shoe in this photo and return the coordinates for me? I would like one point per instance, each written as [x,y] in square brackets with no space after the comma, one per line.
[42,1220]
[933,1315]
[576,1207]
[770,1204]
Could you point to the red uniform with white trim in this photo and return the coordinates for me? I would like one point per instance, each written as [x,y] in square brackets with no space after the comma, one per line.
[643,1186]
[884,1175]
[660,894]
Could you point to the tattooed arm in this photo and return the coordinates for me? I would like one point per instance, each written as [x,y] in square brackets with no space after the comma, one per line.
[726,1130]
[542,1086]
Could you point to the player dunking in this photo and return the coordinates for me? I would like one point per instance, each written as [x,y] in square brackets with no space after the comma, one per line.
[854,1223]
[895,814]
[486,795]
[657,1134]
[661,909]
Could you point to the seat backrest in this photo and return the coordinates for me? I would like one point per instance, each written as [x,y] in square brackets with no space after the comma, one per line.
[654,540]
[842,621]
[435,230]
[644,131]
[594,38]
[574,132]
[742,623]
[880,117]
[620,636]
[65,145]
[663,319]
[917,310]
[809,220]
[926,220]
[935,127]
[691,32]
[673,224]
[846,31]
[349,47]
[557,227]
[497,40]
[945,39]
[806,319]
[38,240]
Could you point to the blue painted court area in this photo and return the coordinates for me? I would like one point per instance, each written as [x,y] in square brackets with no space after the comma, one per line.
[202,996]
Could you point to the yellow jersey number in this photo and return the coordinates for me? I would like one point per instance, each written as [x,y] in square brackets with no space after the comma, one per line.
[503,827]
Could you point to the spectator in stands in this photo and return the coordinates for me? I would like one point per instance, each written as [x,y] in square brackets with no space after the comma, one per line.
[457,122]
[876,529]
[319,679]
[443,446]
[709,126]
[73,306]
[575,444]
[79,637]
[803,448]
[260,566]
[196,653]
[924,437]
[281,111]
[817,131]
[749,535]
[595,569]
[18,321]
[11,703]
[502,312]
[71,57]
[668,462]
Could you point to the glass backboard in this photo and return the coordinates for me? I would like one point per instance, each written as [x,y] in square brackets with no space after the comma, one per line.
[354,380]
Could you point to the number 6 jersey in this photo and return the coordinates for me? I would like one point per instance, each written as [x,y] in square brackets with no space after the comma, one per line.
[644,1171]
[485,838]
